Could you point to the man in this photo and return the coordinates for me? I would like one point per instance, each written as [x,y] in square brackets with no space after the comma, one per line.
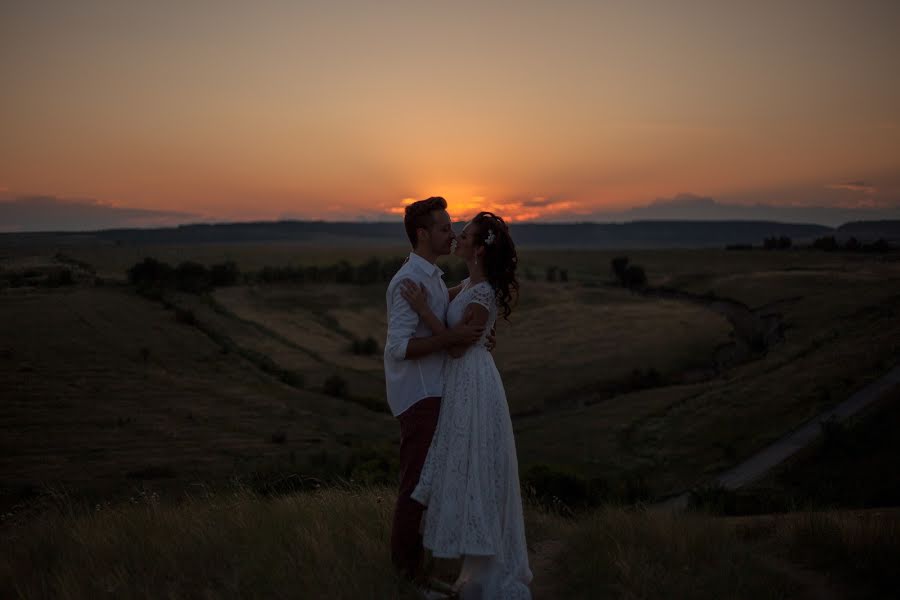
[414,364]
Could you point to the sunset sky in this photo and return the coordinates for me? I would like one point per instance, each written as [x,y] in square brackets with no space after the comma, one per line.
[347,109]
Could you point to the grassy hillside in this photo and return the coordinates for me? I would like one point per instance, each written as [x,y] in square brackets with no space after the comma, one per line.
[841,329]
[580,328]
[105,390]
[109,389]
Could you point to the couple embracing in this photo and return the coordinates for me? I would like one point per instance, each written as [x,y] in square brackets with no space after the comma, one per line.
[459,485]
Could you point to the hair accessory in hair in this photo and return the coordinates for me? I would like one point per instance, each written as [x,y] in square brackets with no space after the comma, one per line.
[490,237]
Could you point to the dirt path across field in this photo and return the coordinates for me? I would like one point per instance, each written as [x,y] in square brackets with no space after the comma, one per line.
[763,461]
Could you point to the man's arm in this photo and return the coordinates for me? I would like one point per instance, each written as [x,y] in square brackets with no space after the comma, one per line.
[401,325]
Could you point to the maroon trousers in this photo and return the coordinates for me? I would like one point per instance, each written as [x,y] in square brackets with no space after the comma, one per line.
[417,425]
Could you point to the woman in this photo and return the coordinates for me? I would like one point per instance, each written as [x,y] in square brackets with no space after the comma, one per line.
[470,481]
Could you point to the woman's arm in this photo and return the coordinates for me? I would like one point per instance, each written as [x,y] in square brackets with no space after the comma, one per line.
[476,315]
[454,291]
[417,297]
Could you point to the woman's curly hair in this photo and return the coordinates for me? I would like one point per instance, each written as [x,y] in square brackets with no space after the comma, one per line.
[500,259]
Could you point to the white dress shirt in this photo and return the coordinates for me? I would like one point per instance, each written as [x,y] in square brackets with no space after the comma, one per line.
[410,380]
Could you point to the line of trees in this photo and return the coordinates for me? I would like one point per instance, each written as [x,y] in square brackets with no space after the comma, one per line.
[372,271]
[152,274]
[782,242]
[193,277]
[830,244]
[555,273]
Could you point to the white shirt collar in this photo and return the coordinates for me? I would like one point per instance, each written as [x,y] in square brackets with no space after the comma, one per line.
[426,267]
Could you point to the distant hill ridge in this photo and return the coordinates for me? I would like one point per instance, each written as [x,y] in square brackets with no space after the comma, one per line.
[889,230]
[634,234]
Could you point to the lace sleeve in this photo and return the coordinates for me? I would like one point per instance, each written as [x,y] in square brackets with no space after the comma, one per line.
[483,294]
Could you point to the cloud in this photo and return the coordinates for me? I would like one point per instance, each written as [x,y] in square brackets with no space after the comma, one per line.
[540,202]
[853,186]
[685,200]
[49,213]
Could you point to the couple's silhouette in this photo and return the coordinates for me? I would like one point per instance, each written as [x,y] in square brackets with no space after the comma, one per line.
[459,490]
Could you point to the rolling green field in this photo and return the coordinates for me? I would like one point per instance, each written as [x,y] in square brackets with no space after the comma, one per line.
[108,390]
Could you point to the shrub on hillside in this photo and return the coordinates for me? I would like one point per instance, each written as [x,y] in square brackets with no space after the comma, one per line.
[635,277]
[373,465]
[618,265]
[336,386]
[192,277]
[777,243]
[150,273]
[644,378]
[390,266]
[224,274]
[185,316]
[344,272]
[368,272]
[713,498]
[365,347]
[555,487]
[879,245]
[59,277]
[827,243]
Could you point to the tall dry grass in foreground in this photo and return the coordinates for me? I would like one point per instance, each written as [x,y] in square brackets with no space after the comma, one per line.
[624,553]
[334,544]
[860,549]
[329,544]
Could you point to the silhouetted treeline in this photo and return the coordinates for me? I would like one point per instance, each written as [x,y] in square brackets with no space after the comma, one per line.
[781,242]
[188,276]
[196,278]
[830,244]
[371,271]
[555,273]
[45,276]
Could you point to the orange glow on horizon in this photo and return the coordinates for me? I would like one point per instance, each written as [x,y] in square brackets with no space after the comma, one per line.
[463,207]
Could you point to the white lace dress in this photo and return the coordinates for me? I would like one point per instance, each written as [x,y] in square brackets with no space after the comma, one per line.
[470,480]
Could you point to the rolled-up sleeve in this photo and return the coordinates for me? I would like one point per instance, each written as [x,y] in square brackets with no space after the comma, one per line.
[401,325]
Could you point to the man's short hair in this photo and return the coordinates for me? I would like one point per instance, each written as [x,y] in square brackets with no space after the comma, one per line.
[419,214]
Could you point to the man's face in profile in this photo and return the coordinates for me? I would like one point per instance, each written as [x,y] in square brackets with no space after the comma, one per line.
[441,232]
